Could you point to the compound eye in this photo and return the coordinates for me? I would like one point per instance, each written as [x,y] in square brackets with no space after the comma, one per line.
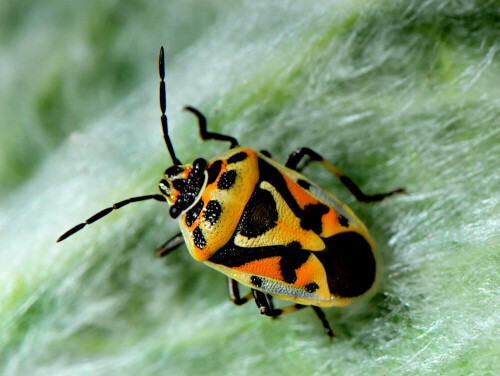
[199,165]
[174,211]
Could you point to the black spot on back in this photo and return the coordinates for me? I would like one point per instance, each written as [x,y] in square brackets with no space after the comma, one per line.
[311,217]
[213,171]
[292,260]
[193,213]
[312,287]
[260,214]
[198,238]
[180,184]
[238,157]
[227,179]
[256,281]
[304,184]
[349,264]
[213,211]
[343,221]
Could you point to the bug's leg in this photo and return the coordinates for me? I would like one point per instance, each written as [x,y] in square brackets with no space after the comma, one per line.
[106,211]
[170,245]
[269,298]
[329,332]
[266,308]
[234,292]
[297,155]
[205,135]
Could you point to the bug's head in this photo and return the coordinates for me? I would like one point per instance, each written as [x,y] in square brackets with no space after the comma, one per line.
[183,184]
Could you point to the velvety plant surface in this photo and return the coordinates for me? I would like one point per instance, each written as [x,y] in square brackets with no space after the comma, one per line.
[395,93]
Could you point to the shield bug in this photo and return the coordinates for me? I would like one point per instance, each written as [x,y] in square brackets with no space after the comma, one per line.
[264,224]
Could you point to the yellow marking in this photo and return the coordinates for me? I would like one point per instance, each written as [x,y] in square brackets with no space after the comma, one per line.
[286,231]
[300,195]
[312,271]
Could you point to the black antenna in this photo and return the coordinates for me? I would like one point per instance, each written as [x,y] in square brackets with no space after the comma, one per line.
[106,211]
[163,107]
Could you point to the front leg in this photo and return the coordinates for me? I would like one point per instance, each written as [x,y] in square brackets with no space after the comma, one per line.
[170,245]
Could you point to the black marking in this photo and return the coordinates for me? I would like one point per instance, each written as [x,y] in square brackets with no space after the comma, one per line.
[213,211]
[274,177]
[213,171]
[292,257]
[312,287]
[173,171]
[260,214]
[343,221]
[256,281]
[349,264]
[180,184]
[238,157]
[198,238]
[227,179]
[193,213]
[291,261]
[304,184]
[311,217]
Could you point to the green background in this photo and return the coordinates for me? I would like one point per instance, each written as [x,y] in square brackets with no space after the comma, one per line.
[396,93]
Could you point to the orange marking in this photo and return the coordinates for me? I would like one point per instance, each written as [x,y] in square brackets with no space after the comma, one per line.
[267,267]
[330,224]
[310,271]
[307,239]
[299,194]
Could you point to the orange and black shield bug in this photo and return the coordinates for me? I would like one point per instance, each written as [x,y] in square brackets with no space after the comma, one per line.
[265,225]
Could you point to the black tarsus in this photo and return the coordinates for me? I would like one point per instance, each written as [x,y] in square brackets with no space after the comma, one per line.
[205,135]
[163,108]
[106,211]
